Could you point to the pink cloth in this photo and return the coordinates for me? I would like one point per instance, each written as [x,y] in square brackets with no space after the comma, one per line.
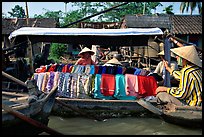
[131,86]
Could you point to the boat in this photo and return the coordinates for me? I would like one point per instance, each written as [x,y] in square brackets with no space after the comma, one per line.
[24,115]
[186,116]
[96,108]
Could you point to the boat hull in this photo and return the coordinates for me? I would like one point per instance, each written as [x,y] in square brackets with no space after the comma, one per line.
[100,108]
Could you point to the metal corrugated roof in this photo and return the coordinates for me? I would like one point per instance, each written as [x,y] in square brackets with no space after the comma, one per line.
[11,24]
[186,24]
[177,24]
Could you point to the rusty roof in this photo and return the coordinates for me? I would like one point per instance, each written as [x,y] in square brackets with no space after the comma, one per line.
[177,24]
[11,24]
[186,24]
[146,21]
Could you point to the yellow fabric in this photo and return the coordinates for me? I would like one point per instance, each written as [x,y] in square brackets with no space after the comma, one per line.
[190,86]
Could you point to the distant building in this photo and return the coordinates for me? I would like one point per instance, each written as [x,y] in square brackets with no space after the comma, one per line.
[11,24]
[185,27]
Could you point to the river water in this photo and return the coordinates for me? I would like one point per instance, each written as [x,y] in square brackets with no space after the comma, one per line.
[117,126]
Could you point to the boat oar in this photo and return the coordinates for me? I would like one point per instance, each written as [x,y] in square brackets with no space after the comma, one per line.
[149,107]
[30,120]
[78,111]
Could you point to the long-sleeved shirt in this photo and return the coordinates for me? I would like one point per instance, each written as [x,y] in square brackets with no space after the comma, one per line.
[160,67]
[190,86]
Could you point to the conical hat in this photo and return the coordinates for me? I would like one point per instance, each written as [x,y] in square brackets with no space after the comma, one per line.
[113,61]
[86,50]
[162,53]
[189,53]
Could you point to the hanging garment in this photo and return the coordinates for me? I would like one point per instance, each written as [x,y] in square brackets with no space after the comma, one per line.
[73,87]
[50,81]
[147,86]
[107,84]
[66,85]
[83,86]
[120,92]
[131,85]
[60,83]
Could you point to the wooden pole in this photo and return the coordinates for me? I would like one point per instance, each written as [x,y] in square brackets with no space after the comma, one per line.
[27,13]
[30,120]
[14,79]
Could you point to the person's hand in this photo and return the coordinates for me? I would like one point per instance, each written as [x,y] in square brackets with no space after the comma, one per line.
[167,66]
[165,63]
[161,89]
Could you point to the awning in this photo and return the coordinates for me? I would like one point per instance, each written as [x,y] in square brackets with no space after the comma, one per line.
[121,37]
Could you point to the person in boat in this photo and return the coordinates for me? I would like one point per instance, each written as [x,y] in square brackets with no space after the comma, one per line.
[115,61]
[189,91]
[85,57]
[160,68]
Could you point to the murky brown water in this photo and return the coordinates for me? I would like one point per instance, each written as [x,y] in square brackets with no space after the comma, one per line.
[118,126]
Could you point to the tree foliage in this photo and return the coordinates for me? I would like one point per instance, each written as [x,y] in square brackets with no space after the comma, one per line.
[168,9]
[192,6]
[115,15]
[57,50]
[17,12]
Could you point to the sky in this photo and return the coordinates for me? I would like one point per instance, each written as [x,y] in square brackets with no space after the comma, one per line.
[37,7]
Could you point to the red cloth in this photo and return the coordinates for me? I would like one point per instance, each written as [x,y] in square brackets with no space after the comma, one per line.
[107,85]
[52,68]
[147,86]
[96,69]
[65,69]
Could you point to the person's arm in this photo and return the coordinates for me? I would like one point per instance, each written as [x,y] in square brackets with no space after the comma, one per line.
[181,91]
[176,42]
[92,62]
[157,70]
[78,62]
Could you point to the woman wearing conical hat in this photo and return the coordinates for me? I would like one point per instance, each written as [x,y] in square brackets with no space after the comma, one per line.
[85,59]
[189,91]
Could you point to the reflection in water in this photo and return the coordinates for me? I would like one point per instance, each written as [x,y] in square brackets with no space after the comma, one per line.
[118,126]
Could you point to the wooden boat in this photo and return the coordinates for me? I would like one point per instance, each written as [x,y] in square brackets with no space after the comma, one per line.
[37,111]
[19,116]
[101,109]
[186,116]
[115,37]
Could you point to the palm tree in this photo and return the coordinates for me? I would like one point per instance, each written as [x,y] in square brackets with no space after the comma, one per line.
[192,5]
[168,10]
[65,6]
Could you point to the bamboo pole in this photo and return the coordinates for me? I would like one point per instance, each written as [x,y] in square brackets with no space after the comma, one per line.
[14,79]
[27,13]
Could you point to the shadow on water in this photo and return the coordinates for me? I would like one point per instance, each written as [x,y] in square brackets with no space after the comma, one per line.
[118,126]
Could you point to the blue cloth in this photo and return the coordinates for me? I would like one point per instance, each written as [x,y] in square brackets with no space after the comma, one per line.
[120,93]
[97,91]
[137,71]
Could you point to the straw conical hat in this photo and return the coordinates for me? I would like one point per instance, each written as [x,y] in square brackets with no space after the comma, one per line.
[86,50]
[189,53]
[162,53]
[113,61]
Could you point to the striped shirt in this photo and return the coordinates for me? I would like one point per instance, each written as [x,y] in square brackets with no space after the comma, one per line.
[190,86]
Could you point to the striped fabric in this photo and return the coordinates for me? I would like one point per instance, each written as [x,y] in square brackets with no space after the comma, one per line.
[190,86]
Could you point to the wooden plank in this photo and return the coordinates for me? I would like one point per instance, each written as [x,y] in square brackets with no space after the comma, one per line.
[14,94]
